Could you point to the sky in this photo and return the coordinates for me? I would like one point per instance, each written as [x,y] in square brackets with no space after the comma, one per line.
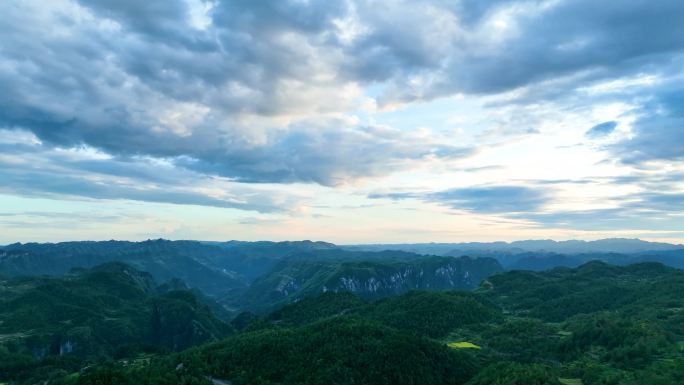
[358,121]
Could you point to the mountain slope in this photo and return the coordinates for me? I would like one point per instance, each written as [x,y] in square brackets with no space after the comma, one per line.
[186,260]
[594,324]
[253,259]
[557,294]
[295,279]
[347,350]
[213,267]
[109,310]
[428,313]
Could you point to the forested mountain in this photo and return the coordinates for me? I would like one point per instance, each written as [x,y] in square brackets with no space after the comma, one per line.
[187,260]
[252,259]
[220,268]
[255,275]
[111,310]
[560,293]
[213,267]
[597,324]
[297,278]
[313,313]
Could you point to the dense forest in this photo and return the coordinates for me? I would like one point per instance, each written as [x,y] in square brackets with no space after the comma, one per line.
[595,324]
[51,326]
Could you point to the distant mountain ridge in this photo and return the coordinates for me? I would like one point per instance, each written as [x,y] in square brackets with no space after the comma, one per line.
[609,245]
[213,267]
[259,275]
[189,261]
[546,254]
[216,268]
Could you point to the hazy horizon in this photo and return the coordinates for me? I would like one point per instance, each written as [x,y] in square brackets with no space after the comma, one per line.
[355,244]
[353,122]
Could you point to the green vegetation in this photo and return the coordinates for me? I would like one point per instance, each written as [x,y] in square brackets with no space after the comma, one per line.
[342,350]
[190,261]
[55,325]
[314,308]
[383,276]
[507,373]
[432,314]
[570,381]
[615,326]
[338,350]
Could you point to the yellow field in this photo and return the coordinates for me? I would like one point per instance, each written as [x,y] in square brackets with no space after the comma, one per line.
[570,381]
[463,345]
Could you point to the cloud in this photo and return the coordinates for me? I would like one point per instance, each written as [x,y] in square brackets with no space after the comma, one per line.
[646,212]
[658,133]
[237,95]
[62,220]
[237,100]
[636,211]
[329,153]
[492,199]
[601,130]
[36,171]
[211,103]
[521,44]
[484,199]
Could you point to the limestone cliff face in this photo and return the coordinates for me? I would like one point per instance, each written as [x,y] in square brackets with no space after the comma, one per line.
[369,279]
[378,280]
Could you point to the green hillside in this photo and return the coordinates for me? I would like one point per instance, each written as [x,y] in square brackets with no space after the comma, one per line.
[612,326]
[345,350]
[109,311]
[292,280]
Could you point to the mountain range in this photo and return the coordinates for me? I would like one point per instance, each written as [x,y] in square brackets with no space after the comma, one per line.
[546,254]
[257,276]
[609,245]
[594,324]
[162,312]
